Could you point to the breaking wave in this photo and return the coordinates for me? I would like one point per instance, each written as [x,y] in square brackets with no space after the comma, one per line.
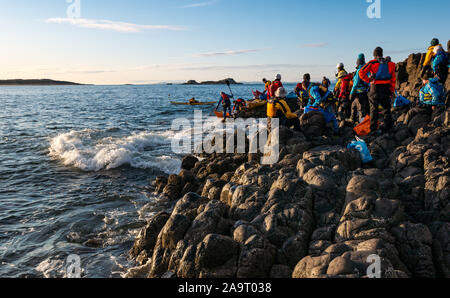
[91,150]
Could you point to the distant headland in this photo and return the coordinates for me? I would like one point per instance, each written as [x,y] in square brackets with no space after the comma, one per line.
[221,82]
[43,82]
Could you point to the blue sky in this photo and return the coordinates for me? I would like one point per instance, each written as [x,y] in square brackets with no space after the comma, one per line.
[137,41]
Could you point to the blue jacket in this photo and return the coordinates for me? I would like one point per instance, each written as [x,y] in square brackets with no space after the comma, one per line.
[439,59]
[359,86]
[315,98]
[433,93]
[221,100]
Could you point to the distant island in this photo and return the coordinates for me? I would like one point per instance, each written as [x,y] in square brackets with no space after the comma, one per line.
[43,82]
[221,82]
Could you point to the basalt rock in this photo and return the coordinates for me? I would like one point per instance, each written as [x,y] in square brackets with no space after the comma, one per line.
[318,211]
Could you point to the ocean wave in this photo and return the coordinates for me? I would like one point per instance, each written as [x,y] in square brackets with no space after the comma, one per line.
[90,150]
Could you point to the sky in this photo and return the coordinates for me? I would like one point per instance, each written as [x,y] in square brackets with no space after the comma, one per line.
[148,41]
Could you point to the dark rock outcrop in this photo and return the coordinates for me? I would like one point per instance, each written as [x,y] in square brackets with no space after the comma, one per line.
[317,212]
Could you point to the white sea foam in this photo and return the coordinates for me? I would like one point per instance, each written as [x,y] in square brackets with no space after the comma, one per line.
[89,152]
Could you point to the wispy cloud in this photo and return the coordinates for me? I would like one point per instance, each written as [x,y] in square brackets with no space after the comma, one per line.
[199,4]
[111,25]
[314,45]
[227,53]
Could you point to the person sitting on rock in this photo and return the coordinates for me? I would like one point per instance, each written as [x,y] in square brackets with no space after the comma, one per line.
[432,94]
[321,101]
[226,104]
[274,87]
[440,64]
[278,108]
[358,94]
[382,78]
[302,90]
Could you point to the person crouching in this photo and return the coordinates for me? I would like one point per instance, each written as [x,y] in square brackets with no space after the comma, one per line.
[278,108]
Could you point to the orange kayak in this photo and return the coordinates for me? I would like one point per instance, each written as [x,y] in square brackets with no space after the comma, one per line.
[220,114]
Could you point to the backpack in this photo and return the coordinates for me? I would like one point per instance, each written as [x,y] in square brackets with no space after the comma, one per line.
[346,86]
[226,102]
[383,73]
[363,129]
[440,61]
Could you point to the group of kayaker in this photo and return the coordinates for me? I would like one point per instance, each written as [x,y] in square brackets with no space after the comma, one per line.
[356,96]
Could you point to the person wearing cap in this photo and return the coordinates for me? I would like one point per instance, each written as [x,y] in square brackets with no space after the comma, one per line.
[382,78]
[302,90]
[276,84]
[440,64]
[358,95]
[430,54]
[432,93]
[278,108]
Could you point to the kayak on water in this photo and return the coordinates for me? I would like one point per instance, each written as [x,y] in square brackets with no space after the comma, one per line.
[192,104]
[256,104]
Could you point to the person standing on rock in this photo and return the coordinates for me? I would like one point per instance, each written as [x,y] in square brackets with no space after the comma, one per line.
[440,64]
[432,95]
[225,101]
[358,95]
[430,54]
[342,91]
[382,78]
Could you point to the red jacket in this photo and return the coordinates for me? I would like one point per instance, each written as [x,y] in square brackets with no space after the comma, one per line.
[372,68]
[274,87]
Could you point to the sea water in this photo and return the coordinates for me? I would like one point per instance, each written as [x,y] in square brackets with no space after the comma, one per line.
[76,169]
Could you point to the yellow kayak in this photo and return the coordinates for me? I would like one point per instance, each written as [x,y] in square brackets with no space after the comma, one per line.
[193,104]
[256,104]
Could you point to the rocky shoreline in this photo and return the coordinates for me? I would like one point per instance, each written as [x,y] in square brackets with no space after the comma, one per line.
[318,212]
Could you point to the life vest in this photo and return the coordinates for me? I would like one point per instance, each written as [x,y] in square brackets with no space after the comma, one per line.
[383,73]
[274,87]
[440,61]
[226,100]
[239,103]
[271,109]
[304,92]
[346,86]
[279,105]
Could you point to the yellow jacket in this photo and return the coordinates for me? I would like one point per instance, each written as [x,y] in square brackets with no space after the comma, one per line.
[267,86]
[279,105]
[430,55]
[341,74]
